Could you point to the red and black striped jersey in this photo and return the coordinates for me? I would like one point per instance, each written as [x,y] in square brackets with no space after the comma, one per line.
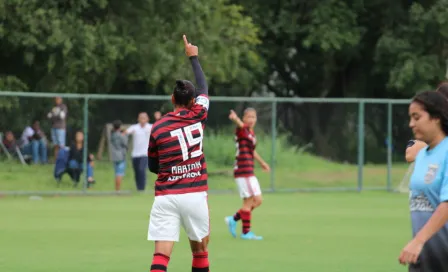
[245,147]
[176,143]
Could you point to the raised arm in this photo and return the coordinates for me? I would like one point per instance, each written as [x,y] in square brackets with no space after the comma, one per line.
[234,118]
[199,76]
[192,52]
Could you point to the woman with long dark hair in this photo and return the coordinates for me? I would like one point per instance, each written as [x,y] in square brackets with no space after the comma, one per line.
[428,250]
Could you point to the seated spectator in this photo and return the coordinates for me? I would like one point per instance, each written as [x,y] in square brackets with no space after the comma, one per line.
[34,143]
[10,142]
[119,143]
[75,158]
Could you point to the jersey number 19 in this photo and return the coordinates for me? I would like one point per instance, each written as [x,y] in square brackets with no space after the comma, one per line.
[188,130]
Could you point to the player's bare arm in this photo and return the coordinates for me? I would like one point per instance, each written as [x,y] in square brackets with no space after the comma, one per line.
[192,52]
[235,119]
[412,151]
[264,165]
[128,131]
[412,250]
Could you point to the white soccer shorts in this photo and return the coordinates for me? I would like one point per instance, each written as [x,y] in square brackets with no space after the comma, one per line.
[248,186]
[169,212]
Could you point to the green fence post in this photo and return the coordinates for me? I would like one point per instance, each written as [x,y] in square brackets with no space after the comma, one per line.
[360,144]
[389,146]
[274,142]
[86,134]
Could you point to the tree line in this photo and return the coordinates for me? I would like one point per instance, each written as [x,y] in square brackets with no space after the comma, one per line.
[286,48]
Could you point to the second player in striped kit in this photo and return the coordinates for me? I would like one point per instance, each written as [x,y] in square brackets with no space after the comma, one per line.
[247,182]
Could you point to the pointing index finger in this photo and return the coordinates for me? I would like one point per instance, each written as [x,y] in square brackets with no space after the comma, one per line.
[185,40]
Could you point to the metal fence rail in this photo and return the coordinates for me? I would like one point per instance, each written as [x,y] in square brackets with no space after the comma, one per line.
[275,102]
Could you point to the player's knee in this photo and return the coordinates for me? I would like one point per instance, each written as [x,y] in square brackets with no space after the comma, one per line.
[258,200]
[199,247]
[248,203]
[164,247]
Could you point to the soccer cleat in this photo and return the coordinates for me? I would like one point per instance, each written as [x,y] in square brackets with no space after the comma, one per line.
[250,236]
[231,224]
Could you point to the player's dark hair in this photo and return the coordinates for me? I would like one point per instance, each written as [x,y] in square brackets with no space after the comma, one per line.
[443,88]
[116,124]
[183,93]
[436,105]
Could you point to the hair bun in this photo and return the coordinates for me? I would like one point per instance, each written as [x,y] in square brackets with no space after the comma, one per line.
[180,84]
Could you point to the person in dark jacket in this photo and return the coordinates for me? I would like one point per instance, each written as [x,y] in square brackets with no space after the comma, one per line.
[75,158]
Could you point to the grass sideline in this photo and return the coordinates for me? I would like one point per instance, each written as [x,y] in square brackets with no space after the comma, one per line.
[292,170]
[338,232]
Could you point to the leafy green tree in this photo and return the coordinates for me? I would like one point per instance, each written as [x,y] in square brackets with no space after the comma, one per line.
[110,46]
[348,48]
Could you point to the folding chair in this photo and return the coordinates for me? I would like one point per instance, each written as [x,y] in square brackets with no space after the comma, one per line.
[19,154]
[8,154]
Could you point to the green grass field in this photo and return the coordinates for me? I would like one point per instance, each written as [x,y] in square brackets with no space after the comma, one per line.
[346,232]
[292,170]
[309,232]
[310,172]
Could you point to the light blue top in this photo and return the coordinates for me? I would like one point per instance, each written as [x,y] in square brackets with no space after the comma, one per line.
[429,188]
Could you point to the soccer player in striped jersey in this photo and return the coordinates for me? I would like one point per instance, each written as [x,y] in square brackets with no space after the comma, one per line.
[175,155]
[414,146]
[247,183]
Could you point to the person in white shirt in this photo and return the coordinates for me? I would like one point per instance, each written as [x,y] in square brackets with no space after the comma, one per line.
[33,143]
[140,139]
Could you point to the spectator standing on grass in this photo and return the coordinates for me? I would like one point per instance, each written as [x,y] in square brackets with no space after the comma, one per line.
[58,116]
[157,116]
[428,199]
[140,138]
[34,143]
[119,146]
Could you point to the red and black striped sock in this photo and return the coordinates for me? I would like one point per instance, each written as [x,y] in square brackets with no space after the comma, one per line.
[200,262]
[237,216]
[159,263]
[245,217]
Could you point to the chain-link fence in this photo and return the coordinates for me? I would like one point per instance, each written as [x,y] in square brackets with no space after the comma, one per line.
[311,144]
